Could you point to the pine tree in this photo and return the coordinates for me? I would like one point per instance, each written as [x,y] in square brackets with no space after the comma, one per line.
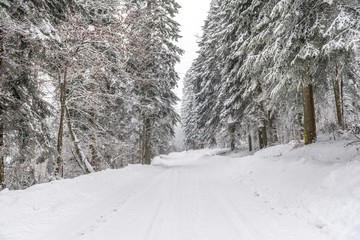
[189,112]
[88,57]
[273,57]
[156,75]
[23,108]
[340,33]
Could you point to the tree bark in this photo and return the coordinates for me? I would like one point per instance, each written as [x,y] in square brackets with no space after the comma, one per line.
[299,126]
[93,144]
[78,150]
[338,99]
[339,114]
[2,164]
[147,142]
[263,141]
[342,102]
[232,129]
[59,171]
[309,114]
[142,142]
[272,131]
[250,143]
[262,136]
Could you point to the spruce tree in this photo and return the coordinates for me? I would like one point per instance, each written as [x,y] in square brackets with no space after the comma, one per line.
[22,102]
[277,59]
[154,68]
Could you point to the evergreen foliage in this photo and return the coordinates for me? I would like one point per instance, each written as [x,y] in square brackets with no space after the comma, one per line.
[80,80]
[260,62]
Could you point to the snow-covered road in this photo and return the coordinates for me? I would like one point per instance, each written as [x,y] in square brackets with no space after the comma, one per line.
[184,196]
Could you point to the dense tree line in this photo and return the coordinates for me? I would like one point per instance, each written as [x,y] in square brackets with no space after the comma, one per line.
[271,71]
[85,85]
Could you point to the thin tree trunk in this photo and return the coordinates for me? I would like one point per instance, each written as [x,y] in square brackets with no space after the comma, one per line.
[339,114]
[59,171]
[93,144]
[2,164]
[309,114]
[263,141]
[142,142]
[78,150]
[148,142]
[250,143]
[262,135]
[147,124]
[83,168]
[338,97]
[299,124]
[273,131]
[232,129]
[342,101]
[94,155]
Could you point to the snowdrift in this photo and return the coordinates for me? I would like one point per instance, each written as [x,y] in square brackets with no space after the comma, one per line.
[318,184]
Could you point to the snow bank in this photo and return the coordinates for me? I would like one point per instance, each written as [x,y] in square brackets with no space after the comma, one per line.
[44,209]
[319,183]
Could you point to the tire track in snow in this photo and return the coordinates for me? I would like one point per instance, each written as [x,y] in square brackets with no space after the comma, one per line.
[90,220]
[146,209]
[230,225]
[241,225]
[171,208]
[252,214]
[184,215]
[157,223]
[177,209]
[191,200]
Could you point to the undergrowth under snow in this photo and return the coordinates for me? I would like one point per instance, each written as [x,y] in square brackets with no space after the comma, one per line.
[282,192]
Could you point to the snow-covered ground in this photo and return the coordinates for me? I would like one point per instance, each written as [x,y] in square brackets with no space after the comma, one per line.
[279,193]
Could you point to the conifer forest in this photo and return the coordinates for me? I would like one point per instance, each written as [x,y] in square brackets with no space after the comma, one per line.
[273,71]
[87,85]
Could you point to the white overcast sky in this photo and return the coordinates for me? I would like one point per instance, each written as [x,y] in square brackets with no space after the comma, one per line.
[191,17]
